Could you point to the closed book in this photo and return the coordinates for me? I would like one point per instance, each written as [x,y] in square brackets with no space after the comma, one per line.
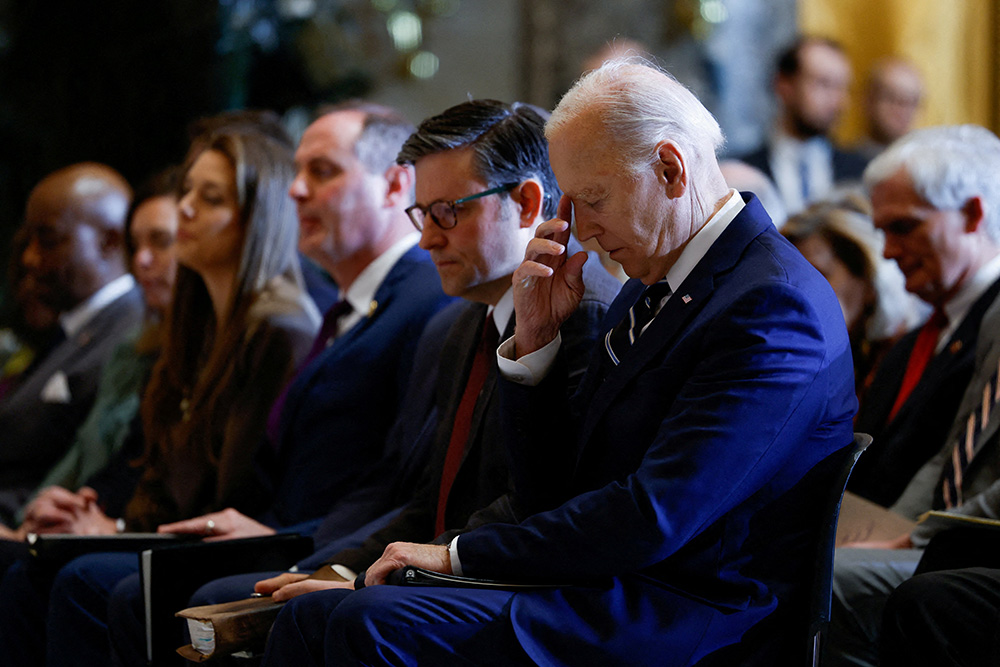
[227,628]
[170,574]
[57,550]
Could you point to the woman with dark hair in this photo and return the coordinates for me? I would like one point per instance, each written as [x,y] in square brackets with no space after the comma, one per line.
[238,289]
[239,324]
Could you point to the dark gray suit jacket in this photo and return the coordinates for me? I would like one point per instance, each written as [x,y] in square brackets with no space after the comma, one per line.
[35,432]
[981,479]
[481,490]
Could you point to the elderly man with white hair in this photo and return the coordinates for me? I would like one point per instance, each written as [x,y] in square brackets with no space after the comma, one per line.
[678,495]
[935,194]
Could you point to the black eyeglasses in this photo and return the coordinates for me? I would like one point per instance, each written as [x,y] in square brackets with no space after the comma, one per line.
[442,211]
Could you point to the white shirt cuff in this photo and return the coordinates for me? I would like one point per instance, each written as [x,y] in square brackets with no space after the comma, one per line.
[456,565]
[531,368]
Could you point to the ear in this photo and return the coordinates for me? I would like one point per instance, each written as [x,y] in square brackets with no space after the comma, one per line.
[671,169]
[399,179]
[973,210]
[529,198]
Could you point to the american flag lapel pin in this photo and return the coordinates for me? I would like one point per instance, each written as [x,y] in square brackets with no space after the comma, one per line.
[686,298]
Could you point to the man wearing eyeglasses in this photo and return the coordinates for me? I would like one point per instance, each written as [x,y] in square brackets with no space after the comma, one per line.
[691,467]
[483,185]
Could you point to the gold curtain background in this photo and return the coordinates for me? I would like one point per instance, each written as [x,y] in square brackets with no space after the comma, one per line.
[953,42]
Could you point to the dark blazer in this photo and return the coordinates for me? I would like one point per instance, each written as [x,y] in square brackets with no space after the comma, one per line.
[847,165]
[483,478]
[341,405]
[918,432]
[981,479]
[684,522]
[35,432]
[207,468]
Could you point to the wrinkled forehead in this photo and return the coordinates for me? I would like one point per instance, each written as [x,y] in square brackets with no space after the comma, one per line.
[582,153]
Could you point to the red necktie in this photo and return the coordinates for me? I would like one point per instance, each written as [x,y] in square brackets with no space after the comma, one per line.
[920,356]
[482,361]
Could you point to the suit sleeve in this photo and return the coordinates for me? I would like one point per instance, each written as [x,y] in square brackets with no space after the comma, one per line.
[753,393]
[984,505]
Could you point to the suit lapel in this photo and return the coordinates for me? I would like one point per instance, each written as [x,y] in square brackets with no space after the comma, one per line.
[458,356]
[384,296]
[942,364]
[687,300]
[489,387]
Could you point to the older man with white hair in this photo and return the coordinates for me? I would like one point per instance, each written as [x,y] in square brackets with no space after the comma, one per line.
[936,195]
[671,523]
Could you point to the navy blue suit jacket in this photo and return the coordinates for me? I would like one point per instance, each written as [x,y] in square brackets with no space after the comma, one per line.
[340,406]
[684,522]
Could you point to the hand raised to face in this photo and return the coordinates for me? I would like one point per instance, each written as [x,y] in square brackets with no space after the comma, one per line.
[548,286]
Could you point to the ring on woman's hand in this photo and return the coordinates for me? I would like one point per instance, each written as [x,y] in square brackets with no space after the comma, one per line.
[209,527]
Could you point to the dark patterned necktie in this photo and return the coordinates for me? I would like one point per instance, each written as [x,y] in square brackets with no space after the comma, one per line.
[326,332]
[950,491]
[642,312]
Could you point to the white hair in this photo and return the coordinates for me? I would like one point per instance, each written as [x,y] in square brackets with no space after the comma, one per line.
[947,166]
[640,106]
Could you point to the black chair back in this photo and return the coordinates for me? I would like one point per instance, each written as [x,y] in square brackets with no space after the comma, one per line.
[821,594]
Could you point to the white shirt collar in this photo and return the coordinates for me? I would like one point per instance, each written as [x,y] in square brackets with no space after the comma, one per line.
[788,154]
[72,321]
[502,311]
[361,293]
[699,244]
[958,306]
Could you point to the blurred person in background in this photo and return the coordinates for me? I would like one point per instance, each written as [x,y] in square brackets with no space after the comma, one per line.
[31,327]
[151,245]
[239,325]
[842,244]
[811,85]
[893,98]
[747,178]
[74,265]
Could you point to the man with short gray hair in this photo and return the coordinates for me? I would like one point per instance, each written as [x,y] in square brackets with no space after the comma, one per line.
[935,195]
[670,522]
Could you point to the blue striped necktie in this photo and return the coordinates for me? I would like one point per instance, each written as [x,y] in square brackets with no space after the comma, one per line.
[642,312]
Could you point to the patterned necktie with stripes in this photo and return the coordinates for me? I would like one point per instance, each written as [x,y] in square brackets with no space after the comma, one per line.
[965,446]
[642,312]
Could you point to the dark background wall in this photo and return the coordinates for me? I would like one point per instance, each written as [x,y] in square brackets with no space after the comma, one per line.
[118,81]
